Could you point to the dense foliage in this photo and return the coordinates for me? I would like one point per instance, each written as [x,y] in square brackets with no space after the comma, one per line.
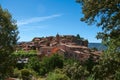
[105,13]
[76,72]
[57,74]
[8,40]
[50,63]
[56,67]
[34,63]
[21,57]
[25,74]
[24,54]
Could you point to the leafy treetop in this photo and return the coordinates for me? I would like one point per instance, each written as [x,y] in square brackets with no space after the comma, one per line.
[106,14]
[8,40]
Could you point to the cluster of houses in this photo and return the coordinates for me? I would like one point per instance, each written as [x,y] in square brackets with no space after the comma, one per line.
[68,45]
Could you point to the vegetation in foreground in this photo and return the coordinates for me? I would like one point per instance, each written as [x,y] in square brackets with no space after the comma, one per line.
[8,40]
[105,12]
[55,67]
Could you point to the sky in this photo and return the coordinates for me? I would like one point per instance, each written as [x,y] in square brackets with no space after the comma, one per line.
[41,18]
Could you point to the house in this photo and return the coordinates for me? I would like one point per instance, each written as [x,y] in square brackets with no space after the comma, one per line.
[68,45]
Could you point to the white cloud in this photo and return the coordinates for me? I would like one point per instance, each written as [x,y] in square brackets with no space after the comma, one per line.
[36,19]
[32,28]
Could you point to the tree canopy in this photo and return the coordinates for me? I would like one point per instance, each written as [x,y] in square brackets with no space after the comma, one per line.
[8,40]
[105,13]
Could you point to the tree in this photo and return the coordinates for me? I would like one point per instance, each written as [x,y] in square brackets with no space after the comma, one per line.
[34,63]
[76,72]
[57,74]
[109,63]
[78,36]
[50,63]
[105,13]
[8,40]
[90,63]
[25,74]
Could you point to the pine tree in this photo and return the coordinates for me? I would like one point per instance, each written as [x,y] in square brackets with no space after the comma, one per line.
[8,40]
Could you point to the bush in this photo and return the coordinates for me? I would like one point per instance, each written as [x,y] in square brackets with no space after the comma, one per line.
[24,54]
[91,77]
[76,72]
[25,74]
[117,75]
[55,61]
[57,75]
[34,64]
[16,73]
[50,63]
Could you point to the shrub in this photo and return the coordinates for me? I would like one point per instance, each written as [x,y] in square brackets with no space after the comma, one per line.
[25,74]
[57,75]
[117,75]
[76,72]
[91,77]
[16,73]
[50,63]
[34,63]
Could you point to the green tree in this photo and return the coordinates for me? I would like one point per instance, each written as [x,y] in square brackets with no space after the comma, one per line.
[76,72]
[57,74]
[8,40]
[109,63]
[55,61]
[26,74]
[50,63]
[34,63]
[105,13]
[78,36]
[90,63]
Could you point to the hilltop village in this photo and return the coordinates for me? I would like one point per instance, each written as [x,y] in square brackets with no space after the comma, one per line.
[69,46]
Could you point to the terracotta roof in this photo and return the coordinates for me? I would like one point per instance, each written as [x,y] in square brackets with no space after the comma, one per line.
[54,50]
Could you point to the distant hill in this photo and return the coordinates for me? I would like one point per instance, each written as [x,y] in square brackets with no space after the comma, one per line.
[99,46]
